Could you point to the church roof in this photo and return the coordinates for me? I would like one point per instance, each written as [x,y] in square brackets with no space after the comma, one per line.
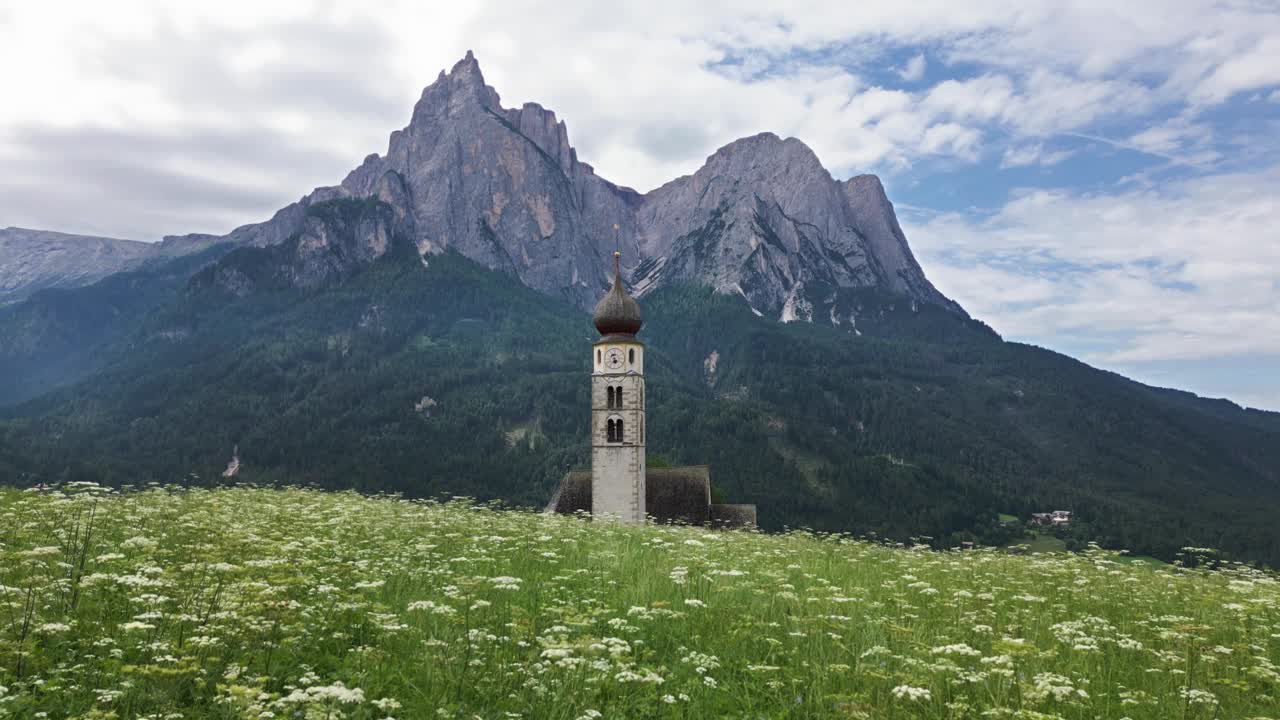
[617,313]
[672,494]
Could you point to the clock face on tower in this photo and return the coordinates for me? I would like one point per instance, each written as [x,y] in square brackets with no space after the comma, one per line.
[613,358]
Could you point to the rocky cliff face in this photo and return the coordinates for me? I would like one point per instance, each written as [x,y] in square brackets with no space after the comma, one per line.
[503,186]
[334,238]
[34,259]
[878,226]
[764,219]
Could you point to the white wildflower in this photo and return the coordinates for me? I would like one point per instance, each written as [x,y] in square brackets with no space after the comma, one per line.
[336,692]
[432,607]
[958,649]
[646,677]
[505,582]
[1198,697]
[908,692]
[138,542]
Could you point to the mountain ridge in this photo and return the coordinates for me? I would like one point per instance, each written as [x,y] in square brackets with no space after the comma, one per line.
[412,329]
[35,260]
[434,374]
[505,187]
[761,217]
[31,260]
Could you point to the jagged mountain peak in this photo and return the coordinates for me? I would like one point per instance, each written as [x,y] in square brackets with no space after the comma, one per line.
[752,155]
[465,73]
[869,182]
[879,227]
[468,64]
[761,217]
[768,145]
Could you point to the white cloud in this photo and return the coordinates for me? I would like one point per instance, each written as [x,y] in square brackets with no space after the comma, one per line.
[984,98]
[1039,103]
[1032,154]
[1189,271]
[1254,68]
[138,117]
[1180,139]
[913,71]
[645,88]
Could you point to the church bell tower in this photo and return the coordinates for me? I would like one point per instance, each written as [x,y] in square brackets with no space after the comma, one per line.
[617,407]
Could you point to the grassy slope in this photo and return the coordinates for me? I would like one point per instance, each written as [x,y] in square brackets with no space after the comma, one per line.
[1041,543]
[231,603]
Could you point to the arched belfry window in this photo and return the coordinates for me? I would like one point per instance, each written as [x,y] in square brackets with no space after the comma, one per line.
[617,397]
[631,356]
[611,401]
[612,433]
[618,432]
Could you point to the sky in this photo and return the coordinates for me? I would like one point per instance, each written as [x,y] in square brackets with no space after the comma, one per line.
[1098,178]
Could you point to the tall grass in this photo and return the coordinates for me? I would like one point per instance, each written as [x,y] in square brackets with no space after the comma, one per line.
[244,602]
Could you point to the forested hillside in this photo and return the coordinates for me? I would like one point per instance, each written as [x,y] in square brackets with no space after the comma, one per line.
[59,335]
[449,378]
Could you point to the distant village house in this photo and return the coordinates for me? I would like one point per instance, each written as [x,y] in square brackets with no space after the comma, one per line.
[1057,517]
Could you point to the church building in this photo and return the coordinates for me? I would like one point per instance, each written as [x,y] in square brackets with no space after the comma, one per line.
[619,485]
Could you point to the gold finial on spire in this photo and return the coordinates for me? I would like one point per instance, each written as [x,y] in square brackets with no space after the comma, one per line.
[617,252]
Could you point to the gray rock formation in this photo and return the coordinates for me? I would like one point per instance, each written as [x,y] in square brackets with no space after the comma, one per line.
[32,260]
[332,241]
[503,186]
[761,218]
[878,225]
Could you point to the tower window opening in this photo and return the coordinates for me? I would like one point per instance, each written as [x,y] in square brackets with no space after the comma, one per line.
[598,357]
[618,432]
[610,393]
[631,356]
[617,398]
[611,432]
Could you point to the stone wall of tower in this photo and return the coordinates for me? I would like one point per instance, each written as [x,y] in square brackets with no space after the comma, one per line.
[618,468]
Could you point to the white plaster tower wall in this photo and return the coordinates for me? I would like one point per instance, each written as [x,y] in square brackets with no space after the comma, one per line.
[618,431]
[617,406]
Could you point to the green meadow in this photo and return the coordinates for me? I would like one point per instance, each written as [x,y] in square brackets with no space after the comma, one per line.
[266,603]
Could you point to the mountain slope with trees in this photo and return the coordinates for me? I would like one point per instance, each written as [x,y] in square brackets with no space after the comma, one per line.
[420,328]
[429,375]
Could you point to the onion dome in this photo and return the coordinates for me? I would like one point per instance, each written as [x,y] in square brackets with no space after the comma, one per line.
[617,313]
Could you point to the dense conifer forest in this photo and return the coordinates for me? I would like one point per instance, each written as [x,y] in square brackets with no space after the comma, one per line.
[431,376]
